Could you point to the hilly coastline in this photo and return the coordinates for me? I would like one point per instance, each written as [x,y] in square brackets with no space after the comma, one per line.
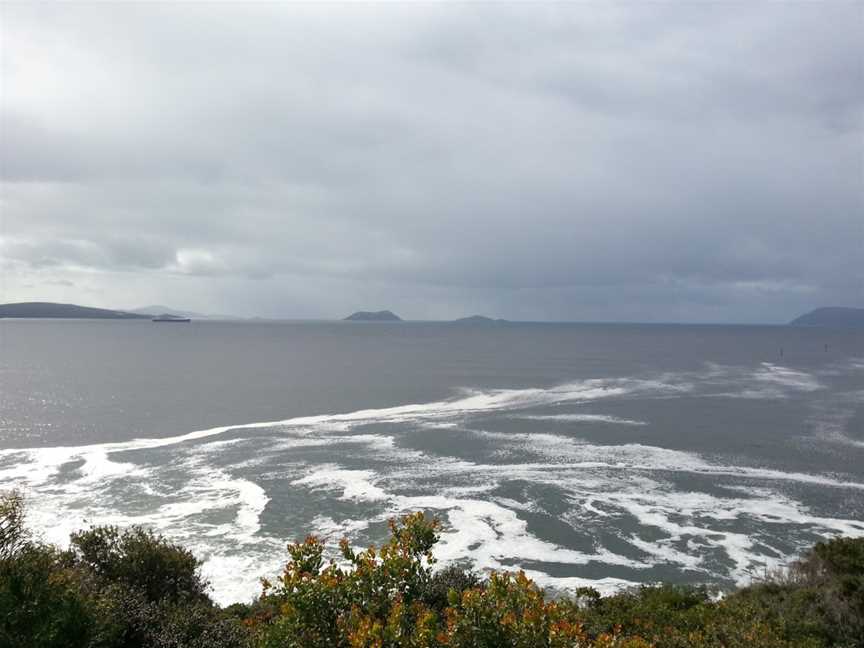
[829,316]
[832,316]
[63,311]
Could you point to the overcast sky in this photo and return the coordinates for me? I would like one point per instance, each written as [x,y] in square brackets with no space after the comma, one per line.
[568,162]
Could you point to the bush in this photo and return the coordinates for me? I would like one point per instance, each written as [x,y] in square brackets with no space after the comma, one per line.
[651,610]
[819,599]
[113,589]
[392,599]
[436,590]
[135,589]
[152,591]
[13,534]
[40,603]
[142,560]
[836,569]
[375,602]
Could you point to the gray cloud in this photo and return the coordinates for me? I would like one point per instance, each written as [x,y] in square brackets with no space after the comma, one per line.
[698,163]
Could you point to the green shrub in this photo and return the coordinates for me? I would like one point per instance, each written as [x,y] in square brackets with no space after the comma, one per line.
[141,560]
[40,603]
[13,534]
[135,589]
[650,609]
[435,591]
[820,598]
[113,589]
[374,602]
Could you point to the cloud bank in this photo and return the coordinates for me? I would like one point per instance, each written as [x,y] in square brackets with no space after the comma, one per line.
[666,162]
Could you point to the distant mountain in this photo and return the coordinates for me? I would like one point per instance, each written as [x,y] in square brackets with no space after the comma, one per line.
[153,311]
[377,316]
[834,316]
[71,311]
[478,319]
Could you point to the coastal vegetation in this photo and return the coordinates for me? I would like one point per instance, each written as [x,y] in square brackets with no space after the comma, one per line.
[134,588]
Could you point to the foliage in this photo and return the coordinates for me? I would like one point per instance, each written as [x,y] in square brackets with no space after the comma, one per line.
[142,560]
[434,592]
[112,589]
[13,534]
[40,605]
[375,602]
[820,598]
[134,589]
[836,571]
[392,599]
[510,610]
[669,616]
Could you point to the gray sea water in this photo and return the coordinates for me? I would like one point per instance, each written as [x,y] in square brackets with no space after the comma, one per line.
[585,454]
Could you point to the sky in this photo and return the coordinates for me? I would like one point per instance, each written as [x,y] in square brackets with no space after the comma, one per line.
[692,162]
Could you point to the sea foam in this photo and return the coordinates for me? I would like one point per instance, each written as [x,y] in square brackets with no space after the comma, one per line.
[214,489]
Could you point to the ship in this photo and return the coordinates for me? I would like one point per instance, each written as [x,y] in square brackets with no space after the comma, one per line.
[165,317]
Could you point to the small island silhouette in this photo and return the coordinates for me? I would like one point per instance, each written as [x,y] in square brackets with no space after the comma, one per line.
[373,316]
[479,319]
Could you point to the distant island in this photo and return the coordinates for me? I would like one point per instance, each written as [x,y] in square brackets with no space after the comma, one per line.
[833,316]
[373,316]
[168,317]
[478,319]
[66,311]
[154,311]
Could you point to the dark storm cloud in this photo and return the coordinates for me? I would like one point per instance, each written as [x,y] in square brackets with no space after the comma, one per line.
[698,162]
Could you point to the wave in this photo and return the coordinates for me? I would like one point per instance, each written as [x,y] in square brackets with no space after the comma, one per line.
[219,490]
[582,418]
[47,460]
[786,377]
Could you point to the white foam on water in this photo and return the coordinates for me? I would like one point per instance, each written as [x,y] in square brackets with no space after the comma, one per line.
[583,418]
[786,377]
[565,584]
[492,536]
[216,508]
[753,393]
[331,530]
[564,450]
[559,449]
[843,367]
[768,381]
[98,467]
[223,572]
[832,417]
[355,484]
[252,500]
[46,461]
[656,506]
[235,573]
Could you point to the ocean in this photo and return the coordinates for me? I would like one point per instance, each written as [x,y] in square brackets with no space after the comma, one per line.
[586,454]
